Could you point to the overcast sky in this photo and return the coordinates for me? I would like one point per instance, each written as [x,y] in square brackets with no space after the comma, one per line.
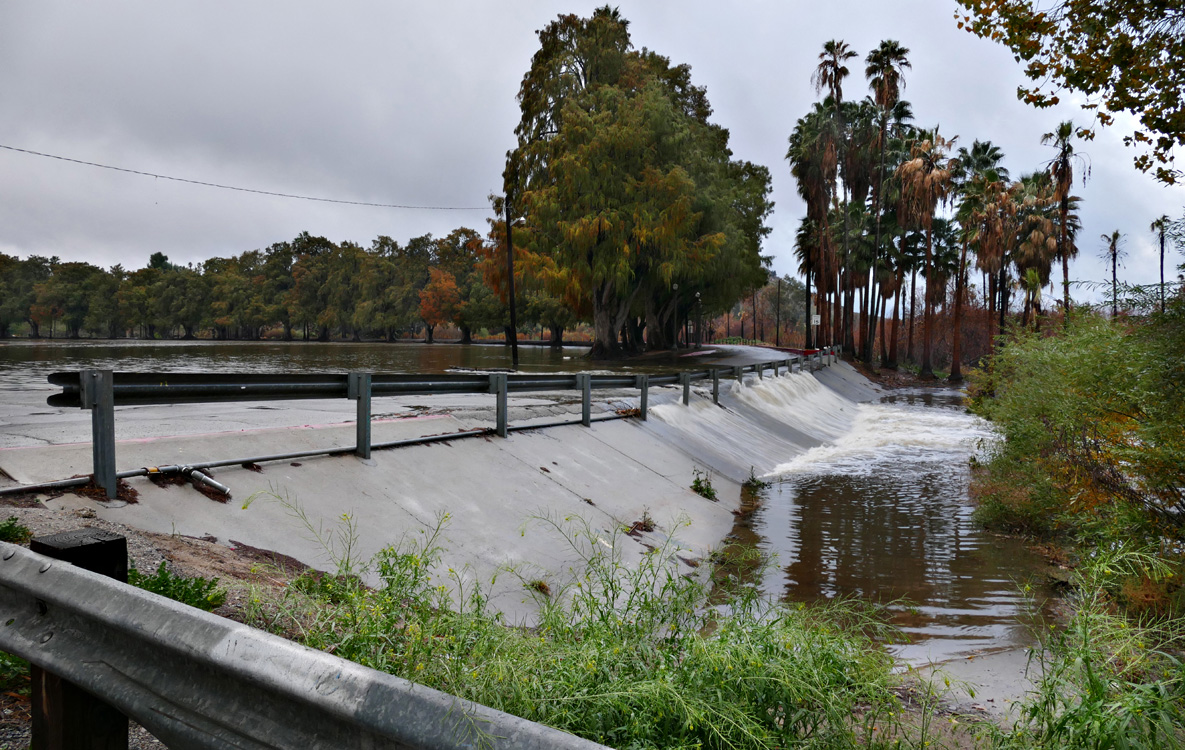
[395,102]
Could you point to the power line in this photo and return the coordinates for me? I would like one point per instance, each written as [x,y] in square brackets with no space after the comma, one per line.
[242,189]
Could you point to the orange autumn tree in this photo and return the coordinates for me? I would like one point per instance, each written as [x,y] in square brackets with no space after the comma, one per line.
[440,300]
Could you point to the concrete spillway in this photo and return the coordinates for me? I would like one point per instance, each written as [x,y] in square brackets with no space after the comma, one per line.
[494,491]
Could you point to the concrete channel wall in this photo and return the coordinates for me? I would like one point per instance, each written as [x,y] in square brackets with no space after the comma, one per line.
[495,492]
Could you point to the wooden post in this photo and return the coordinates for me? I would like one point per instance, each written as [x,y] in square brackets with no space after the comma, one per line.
[66,717]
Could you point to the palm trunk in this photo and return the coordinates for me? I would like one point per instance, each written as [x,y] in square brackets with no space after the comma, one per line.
[1061,245]
[1162,270]
[956,355]
[913,306]
[876,246]
[807,340]
[927,371]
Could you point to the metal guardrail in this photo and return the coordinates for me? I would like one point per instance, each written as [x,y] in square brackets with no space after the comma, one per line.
[196,680]
[102,390]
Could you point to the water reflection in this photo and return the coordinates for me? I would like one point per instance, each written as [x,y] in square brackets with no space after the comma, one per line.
[883,514]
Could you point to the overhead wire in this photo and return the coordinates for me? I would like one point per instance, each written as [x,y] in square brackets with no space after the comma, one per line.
[242,189]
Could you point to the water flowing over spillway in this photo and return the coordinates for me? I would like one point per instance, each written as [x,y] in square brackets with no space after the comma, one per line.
[867,500]
[762,424]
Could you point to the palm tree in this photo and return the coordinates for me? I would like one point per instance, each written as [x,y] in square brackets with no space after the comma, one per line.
[925,180]
[1036,246]
[813,157]
[884,68]
[832,69]
[972,171]
[1114,252]
[1159,227]
[829,75]
[1061,169]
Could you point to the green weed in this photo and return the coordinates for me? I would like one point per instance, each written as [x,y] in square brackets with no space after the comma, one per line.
[14,675]
[12,531]
[1105,682]
[701,485]
[753,484]
[195,591]
[631,655]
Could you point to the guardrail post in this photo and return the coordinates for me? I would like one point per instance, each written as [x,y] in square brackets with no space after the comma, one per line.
[64,715]
[98,395]
[358,388]
[643,385]
[584,383]
[715,386]
[739,373]
[760,370]
[685,381]
[498,386]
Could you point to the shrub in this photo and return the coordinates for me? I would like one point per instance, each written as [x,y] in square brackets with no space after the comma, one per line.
[12,531]
[195,591]
[1091,423]
[1104,682]
[701,485]
[630,657]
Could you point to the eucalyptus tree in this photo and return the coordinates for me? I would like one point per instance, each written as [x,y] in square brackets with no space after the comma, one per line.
[884,68]
[1113,251]
[926,179]
[104,312]
[1061,169]
[619,177]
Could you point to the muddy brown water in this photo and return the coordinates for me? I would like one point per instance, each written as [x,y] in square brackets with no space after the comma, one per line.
[883,514]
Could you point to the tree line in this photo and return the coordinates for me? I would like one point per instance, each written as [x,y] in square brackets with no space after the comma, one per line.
[307,288]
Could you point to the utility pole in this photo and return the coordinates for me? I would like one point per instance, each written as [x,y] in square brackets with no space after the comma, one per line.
[510,286]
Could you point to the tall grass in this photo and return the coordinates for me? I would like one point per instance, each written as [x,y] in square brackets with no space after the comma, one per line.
[630,656]
[1104,681]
